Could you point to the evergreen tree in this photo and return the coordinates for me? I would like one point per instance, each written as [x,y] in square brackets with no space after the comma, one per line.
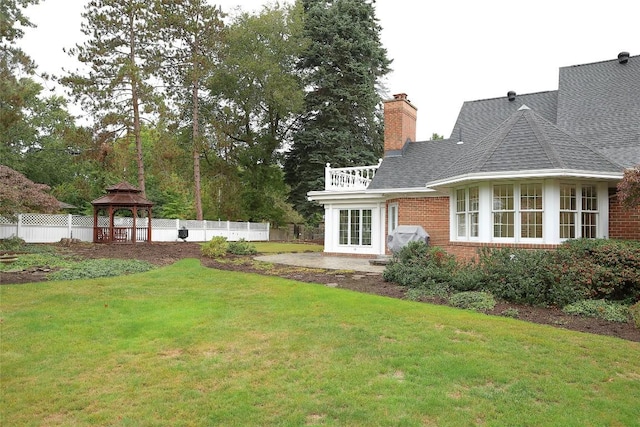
[191,34]
[343,125]
[115,88]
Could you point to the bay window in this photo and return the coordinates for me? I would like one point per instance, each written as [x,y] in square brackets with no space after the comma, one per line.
[548,211]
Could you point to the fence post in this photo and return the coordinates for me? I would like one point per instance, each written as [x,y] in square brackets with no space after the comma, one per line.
[69,225]
[19,226]
[204,226]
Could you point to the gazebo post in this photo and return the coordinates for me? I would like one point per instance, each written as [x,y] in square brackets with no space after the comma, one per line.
[111,224]
[149,224]
[135,228]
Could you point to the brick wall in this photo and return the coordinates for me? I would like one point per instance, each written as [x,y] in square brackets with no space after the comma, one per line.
[432,213]
[399,122]
[623,223]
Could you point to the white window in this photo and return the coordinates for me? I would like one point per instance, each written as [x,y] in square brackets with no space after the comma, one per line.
[568,211]
[531,211]
[547,211]
[392,217]
[355,227]
[503,211]
[578,219]
[467,212]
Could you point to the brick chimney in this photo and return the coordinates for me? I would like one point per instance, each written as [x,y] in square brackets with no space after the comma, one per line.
[399,123]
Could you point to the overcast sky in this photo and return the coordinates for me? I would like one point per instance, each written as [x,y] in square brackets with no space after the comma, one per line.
[444,52]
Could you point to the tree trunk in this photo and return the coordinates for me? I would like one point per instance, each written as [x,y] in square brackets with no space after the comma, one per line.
[196,131]
[136,109]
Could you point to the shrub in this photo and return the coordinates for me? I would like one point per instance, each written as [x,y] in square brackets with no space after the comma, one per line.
[215,248]
[608,269]
[634,310]
[477,301]
[12,244]
[601,309]
[418,265]
[525,277]
[242,247]
[467,277]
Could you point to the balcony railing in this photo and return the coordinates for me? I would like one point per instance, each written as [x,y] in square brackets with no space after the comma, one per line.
[349,179]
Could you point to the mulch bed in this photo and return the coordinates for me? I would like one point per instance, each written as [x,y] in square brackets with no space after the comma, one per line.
[167,253]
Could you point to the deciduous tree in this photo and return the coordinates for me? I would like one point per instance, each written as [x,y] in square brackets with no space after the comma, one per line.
[629,188]
[18,194]
[259,97]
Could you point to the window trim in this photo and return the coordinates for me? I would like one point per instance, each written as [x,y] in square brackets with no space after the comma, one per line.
[579,210]
[362,232]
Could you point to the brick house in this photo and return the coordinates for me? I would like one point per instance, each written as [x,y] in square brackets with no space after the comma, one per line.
[527,171]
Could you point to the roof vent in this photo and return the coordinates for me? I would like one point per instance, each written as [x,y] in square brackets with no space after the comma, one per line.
[623,57]
[511,95]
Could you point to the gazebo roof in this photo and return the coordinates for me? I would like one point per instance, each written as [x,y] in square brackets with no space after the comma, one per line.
[122,194]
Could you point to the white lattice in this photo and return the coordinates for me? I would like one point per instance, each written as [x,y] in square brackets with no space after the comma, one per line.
[238,226]
[259,226]
[103,221]
[4,220]
[163,223]
[47,220]
[82,221]
[217,225]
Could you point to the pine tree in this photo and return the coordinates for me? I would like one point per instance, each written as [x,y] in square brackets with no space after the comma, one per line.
[115,89]
[191,34]
[343,66]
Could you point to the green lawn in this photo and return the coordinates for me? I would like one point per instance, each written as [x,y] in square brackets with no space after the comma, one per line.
[286,247]
[186,345]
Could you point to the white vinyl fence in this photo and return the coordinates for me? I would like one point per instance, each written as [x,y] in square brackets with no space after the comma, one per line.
[41,228]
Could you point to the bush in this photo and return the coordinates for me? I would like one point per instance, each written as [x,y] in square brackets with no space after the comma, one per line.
[242,247]
[12,244]
[477,301]
[215,248]
[525,277]
[420,266]
[601,309]
[608,269]
[634,310]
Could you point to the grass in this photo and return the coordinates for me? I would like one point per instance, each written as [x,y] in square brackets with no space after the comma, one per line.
[185,345]
[285,247]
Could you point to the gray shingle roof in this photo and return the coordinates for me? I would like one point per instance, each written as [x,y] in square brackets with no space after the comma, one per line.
[591,123]
[599,104]
[527,141]
[420,163]
[478,118]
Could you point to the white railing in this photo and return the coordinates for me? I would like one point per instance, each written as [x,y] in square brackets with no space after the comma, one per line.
[41,228]
[346,179]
